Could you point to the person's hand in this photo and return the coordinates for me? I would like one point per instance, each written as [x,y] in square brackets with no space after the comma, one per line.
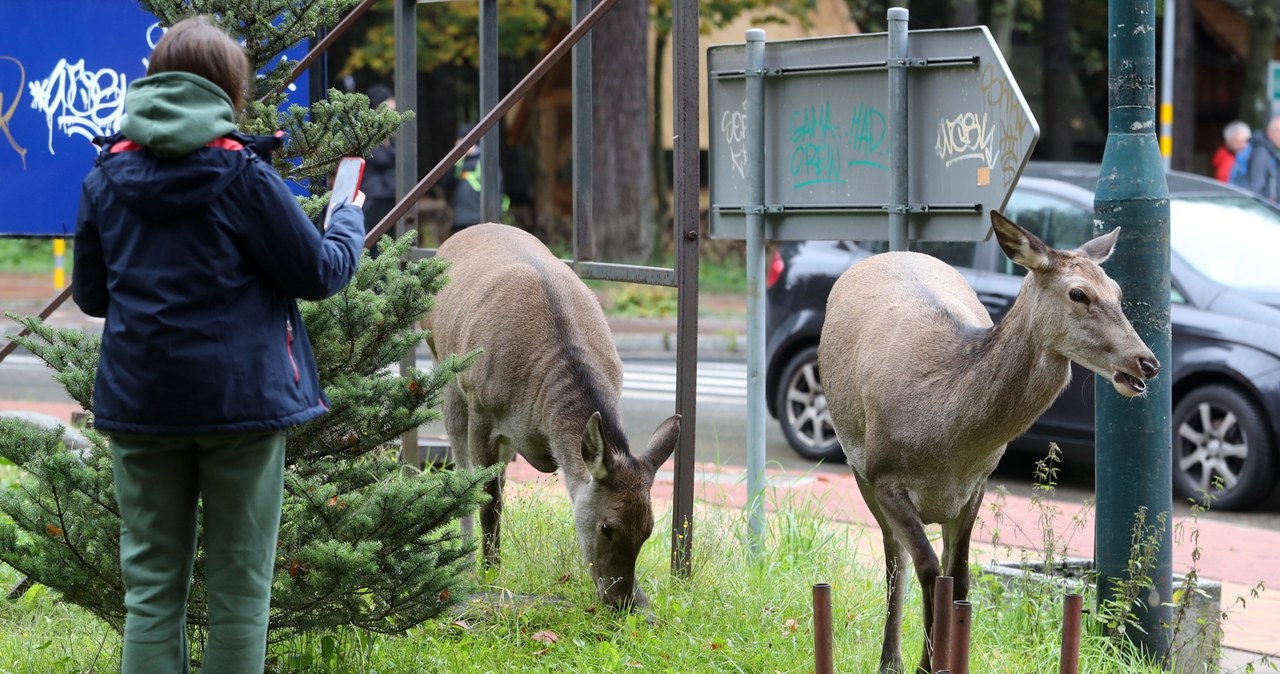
[359,200]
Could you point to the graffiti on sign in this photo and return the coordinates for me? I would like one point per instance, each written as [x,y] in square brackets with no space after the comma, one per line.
[6,112]
[824,143]
[869,128]
[966,136]
[733,124]
[1013,127]
[815,158]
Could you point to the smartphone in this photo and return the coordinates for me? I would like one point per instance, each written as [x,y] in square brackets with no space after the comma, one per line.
[346,182]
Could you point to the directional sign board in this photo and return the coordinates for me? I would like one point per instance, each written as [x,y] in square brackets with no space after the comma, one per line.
[64,68]
[827,155]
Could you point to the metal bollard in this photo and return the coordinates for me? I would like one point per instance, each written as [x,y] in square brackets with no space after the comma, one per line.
[1069,659]
[960,626]
[822,653]
[943,596]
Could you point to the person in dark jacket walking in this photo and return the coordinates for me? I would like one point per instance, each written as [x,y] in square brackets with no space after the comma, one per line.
[194,250]
[462,186]
[1263,176]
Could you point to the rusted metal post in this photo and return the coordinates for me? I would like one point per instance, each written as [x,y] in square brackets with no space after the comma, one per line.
[822,656]
[943,596]
[961,622]
[687,178]
[1069,659]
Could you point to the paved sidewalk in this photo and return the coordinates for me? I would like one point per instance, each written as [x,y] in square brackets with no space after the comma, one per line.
[1238,557]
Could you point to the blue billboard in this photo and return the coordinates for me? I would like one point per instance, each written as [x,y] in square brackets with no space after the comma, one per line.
[64,69]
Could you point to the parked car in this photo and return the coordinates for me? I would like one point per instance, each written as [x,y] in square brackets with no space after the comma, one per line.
[1225,310]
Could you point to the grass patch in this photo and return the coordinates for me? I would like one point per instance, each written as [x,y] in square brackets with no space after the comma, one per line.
[537,612]
[30,256]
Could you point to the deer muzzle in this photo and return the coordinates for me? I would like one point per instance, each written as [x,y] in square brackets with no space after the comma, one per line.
[1131,384]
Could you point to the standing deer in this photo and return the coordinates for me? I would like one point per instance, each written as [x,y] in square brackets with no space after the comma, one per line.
[546,387]
[924,392]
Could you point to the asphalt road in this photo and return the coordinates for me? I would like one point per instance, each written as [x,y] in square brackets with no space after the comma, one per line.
[649,397]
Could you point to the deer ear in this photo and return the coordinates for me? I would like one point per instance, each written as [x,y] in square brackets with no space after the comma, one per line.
[593,449]
[662,443]
[1100,249]
[1020,245]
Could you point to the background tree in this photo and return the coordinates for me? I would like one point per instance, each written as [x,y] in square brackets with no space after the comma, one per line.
[1184,101]
[621,170]
[1254,107]
[361,544]
[448,70]
[1056,49]
[712,14]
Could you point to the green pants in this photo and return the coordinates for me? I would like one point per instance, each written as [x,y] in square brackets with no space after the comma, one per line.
[158,479]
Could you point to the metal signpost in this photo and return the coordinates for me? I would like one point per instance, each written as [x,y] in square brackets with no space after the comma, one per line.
[1134,457]
[809,140]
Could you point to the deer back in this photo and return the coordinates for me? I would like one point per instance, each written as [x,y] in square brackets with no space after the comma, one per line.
[548,385]
[549,359]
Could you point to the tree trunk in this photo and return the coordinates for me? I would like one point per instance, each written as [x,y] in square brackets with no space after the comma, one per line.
[661,176]
[1184,87]
[1254,107]
[962,13]
[622,216]
[1056,133]
[1002,15]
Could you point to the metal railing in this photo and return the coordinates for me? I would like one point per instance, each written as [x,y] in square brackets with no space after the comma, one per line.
[684,276]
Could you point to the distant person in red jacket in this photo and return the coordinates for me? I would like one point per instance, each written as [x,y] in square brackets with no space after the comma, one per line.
[1234,137]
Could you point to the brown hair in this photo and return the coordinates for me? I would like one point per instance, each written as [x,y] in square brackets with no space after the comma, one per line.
[196,46]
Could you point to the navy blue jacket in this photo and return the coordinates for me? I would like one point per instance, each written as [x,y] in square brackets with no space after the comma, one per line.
[195,262]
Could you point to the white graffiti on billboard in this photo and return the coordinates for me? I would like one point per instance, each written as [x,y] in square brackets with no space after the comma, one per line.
[78,101]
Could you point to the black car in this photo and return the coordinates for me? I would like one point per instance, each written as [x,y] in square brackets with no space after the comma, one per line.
[1225,294]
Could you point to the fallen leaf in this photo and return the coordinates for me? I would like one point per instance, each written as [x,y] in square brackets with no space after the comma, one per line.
[546,636]
[543,651]
[791,626]
[715,645]
[564,579]
[445,595]
[461,624]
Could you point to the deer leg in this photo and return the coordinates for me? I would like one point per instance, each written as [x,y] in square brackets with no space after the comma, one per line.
[895,565]
[955,544]
[909,529]
[455,424]
[484,451]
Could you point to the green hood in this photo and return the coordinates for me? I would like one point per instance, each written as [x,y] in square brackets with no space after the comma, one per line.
[176,113]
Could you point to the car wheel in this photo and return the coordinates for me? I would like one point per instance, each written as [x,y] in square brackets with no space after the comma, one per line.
[802,409]
[1221,448]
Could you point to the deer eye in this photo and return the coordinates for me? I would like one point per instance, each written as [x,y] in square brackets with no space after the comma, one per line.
[606,531]
[1077,295]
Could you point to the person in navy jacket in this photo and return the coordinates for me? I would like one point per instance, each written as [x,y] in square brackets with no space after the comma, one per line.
[194,250]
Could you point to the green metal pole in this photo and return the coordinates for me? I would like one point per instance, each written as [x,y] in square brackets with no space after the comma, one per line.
[1134,472]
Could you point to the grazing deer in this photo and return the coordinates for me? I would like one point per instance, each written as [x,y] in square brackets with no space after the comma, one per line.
[924,392]
[546,387]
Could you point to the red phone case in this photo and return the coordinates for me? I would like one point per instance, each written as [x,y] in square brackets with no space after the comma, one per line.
[346,183]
